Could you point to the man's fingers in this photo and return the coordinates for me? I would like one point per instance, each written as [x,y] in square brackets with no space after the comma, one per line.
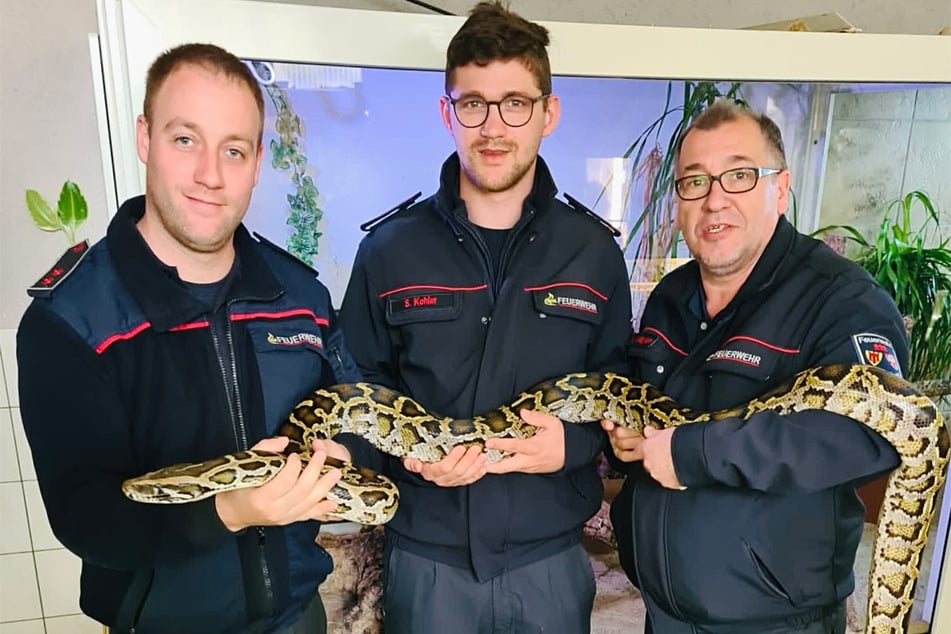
[413,465]
[281,484]
[507,445]
[275,444]
[538,419]
[515,462]
[333,448]
[471,465]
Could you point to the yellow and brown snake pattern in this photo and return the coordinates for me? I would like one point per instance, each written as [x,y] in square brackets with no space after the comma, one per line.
[398,425]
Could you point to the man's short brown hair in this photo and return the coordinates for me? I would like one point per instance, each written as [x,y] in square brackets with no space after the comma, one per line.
[493,33]
[208,56]
[726,110]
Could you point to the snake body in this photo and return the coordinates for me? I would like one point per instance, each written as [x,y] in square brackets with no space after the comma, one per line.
[398,425]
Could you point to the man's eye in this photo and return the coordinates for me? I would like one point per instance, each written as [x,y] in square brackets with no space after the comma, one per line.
[473,104]
[515,103]
[183,140]
[696,181]
[740,175]
[235,153]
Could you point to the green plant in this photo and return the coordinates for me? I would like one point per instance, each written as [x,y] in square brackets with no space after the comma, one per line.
[71,211]
[287,155]
[913,264]
[651,157]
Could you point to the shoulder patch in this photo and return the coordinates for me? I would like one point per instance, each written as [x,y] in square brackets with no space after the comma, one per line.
[284,252]
[372,223]
[873,349]
[66,264]
[577,206]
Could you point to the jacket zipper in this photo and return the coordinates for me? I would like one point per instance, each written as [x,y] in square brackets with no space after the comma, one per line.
[511,245]
[241,435]
[236,394]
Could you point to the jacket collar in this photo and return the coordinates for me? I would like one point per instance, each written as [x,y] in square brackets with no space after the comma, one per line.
[157,287]
[543,188]
[771,266]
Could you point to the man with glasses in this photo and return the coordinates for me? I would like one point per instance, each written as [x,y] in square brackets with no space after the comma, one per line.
[464,300]
[737,527]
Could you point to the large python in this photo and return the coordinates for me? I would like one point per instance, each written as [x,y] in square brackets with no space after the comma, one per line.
[398,425]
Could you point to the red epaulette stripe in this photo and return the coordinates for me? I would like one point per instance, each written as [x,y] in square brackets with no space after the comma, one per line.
[667,341]
[426,287]
[297,312]
[762,343]
[122,336]
[195,325]
[557,284]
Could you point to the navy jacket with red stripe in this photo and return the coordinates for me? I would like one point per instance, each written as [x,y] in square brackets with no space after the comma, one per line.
[120,373]
[765,535]
[426,312]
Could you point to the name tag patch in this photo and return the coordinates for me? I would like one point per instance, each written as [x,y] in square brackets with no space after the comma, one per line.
[872,349]
[421,301]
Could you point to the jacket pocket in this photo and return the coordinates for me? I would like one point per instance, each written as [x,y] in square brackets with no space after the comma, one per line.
[653,356]
[767,576]
[748,357]
[574,301]
[293,359]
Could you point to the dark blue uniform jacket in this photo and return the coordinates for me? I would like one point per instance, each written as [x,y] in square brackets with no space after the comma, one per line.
[121,372]
[427,313]
[767,529]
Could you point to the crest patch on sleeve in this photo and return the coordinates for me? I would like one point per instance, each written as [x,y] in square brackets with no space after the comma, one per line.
[876,350]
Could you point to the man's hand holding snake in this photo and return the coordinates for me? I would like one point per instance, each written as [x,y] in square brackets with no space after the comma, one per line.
[461,466]
[293,495]
[625,442]
[544,452]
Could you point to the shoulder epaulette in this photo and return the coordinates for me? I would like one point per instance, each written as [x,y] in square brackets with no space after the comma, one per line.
[67,263]
[577,206]
[406,204]
[284,252]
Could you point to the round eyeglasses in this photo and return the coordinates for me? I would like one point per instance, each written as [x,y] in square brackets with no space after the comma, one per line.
[515,110]
[735,181]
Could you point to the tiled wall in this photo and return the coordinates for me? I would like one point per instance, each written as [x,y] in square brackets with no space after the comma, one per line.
[39,579]
[883,145]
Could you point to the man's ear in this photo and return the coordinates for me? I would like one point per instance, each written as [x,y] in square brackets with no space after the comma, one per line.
[782,192]
[257,162]
[445,112]
[552,114]
[142,138]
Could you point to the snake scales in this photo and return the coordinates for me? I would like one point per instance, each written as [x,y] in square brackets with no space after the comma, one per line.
[399,426]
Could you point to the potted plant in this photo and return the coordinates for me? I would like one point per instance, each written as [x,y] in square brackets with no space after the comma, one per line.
[913,264]
[71,211]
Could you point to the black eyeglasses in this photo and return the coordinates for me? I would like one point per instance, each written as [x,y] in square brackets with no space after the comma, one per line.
[515,110]
[735,181]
